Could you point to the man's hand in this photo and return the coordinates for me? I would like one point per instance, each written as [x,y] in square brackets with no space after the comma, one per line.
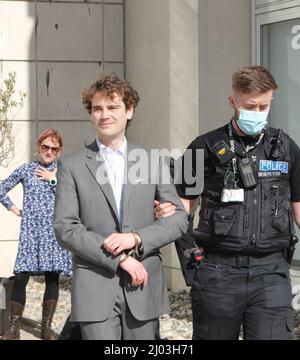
[16,210]
[136,270]
[44,174]
[116,243]
[163,210]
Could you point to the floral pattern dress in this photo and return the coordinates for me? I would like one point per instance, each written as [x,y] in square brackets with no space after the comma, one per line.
[38,249]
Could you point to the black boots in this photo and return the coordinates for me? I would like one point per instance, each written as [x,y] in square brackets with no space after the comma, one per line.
[49,307]
[16,312]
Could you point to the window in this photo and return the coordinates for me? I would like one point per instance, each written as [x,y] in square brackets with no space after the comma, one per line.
[276,46]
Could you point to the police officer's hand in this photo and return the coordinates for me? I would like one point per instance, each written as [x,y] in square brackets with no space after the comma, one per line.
[135,269]
[116,243]
[163,210]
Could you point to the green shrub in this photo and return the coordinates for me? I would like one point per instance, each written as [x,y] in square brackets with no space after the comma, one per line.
[10,104]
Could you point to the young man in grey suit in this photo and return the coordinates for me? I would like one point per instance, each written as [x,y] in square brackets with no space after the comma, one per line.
[106,219]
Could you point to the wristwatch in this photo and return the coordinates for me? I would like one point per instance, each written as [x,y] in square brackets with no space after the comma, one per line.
[53,182]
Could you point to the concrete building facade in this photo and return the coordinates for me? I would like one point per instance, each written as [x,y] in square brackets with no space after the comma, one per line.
[179,54]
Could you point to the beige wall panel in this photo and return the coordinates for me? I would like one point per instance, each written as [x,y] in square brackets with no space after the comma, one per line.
[25,146]
[69,41]
[172,268]
[225,45]
[75,134]
[170,256]
[113,33]
[65,1]
[147,68]
[174,279]
[86,2]
[184,72]
[17,30]
[25,138]
[8,253]
[66,81]
[25,82]
[9,222]
[116,68]
[162,63]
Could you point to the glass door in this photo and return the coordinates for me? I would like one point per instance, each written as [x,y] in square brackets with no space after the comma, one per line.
[278,49]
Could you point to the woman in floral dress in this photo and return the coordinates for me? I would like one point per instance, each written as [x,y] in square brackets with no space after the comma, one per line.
[38,251]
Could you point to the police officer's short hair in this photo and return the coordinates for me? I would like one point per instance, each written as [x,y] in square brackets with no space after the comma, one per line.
[253,79]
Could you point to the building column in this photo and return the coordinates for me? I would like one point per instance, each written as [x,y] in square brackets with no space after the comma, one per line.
[161,43]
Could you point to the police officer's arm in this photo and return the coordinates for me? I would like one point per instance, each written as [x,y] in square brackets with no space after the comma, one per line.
[167,209]
[189,202]
[295,180]
[296,212]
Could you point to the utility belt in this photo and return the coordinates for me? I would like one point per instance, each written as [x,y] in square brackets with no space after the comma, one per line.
[240,261]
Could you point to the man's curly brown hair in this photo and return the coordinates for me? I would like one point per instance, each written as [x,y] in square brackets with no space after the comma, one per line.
[110,85]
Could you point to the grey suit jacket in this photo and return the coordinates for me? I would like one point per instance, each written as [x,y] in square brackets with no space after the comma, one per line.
[86,213]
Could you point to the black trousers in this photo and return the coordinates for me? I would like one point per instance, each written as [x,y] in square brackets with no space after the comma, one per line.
[258,297]
[21,281]
[70,331]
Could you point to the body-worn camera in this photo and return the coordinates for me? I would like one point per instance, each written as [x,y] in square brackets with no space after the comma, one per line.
[246,173]
[194,256]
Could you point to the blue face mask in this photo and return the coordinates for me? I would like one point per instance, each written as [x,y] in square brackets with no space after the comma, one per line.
[252,122]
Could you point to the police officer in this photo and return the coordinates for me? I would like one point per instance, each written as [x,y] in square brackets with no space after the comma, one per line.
[249,202]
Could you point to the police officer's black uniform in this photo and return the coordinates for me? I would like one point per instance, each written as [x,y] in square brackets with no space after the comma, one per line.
[244,277]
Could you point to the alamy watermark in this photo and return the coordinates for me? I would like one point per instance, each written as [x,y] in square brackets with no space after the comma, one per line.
[161,167]
[296,39]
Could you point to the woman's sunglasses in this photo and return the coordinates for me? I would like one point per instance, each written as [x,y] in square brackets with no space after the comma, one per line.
[45,148]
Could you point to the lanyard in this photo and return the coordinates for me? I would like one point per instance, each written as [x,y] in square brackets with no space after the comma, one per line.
[232,148]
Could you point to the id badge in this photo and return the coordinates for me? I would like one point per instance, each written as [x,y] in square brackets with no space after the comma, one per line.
[232,195]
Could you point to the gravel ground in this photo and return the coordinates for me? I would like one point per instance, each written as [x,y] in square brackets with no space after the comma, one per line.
[175,326]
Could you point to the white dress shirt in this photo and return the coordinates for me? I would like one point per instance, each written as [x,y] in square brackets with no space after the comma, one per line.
[115,167]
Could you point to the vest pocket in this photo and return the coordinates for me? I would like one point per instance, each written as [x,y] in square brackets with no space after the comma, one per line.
[279,210]
[223,220]
[280,222]
[275,217]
